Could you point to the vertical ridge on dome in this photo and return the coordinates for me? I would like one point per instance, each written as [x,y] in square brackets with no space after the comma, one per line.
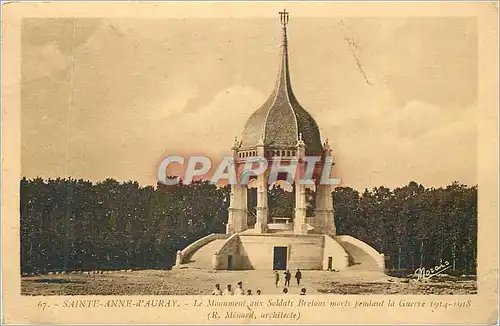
[281,118]
[281,126]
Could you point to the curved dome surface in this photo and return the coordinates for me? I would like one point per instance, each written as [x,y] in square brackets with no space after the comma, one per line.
[281,119]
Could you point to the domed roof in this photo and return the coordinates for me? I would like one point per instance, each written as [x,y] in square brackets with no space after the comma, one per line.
[281,120]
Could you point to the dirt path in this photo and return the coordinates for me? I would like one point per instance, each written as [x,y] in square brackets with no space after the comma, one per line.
[201,282]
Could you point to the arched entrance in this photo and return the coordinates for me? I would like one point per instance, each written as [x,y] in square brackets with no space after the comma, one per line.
[281,203]
[252,203]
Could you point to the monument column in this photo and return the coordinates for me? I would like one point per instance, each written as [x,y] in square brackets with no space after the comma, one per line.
[244,216]
[299,223]
[262,208]
[237,220]
[324,200]
[237,217]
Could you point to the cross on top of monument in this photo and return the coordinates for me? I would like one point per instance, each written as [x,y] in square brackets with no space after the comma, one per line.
[284,17]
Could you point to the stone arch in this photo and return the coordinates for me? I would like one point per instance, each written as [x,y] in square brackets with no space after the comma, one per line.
[281,204]
[252,202]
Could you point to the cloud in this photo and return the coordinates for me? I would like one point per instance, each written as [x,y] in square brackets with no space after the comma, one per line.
[177,98]
[419,142]
[143,87]
[42,61]
[210,127]
[48,44]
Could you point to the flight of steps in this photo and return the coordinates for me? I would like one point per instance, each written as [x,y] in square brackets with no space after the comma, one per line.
[202,258]
[358,259]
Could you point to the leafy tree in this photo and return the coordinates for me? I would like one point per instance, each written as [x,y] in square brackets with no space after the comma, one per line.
[71,224]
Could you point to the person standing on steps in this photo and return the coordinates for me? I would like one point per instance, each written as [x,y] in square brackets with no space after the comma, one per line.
[288,276]
[276,278]
[298,276]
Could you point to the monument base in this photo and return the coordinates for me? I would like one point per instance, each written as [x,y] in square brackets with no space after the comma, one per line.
[251,250]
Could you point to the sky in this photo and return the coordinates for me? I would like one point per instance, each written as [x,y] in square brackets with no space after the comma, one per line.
[109,98]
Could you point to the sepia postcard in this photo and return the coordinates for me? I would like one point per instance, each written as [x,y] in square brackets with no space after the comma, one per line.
[250,162]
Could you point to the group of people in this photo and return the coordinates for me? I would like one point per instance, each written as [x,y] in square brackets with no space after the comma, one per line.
[240,291]
[229,290]
[288,277]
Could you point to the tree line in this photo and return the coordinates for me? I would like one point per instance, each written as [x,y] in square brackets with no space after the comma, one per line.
[69,224]
[414,226]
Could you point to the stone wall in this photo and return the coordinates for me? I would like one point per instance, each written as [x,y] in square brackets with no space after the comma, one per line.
[304,251]
[232,247]
[308,252]
[340,259]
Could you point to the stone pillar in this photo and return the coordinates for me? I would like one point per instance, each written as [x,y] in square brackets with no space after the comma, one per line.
[262,186]
[237,220]
[324,209]
[178,258]
[299,222]
[232,215]
[262,208]
[237,217]
[215,261]
[324,201]
[244,204]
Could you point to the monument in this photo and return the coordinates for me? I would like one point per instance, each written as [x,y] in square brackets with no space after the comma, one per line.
[281,130]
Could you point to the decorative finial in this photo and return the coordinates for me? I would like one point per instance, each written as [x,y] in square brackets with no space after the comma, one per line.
[300,142]
[284,17]
[237,144]
[326,146]
[261,140]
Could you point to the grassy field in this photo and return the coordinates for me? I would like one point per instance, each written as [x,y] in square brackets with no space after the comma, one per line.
[200,282]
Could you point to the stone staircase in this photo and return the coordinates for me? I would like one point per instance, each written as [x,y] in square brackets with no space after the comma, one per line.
[358,258]
[202,258]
